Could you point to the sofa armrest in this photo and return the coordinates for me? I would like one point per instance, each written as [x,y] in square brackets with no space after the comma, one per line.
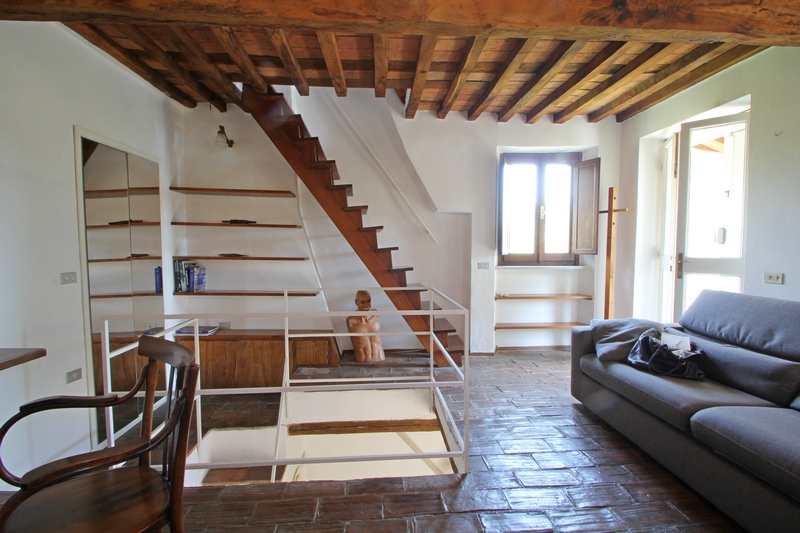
[582,343]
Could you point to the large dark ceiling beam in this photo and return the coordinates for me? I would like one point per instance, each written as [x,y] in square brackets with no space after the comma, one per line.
[764,22]
[562,55]
[106,43]
[189,47]
[522,47]
[650,58]
[641,90]
[474,48]
[381,59]
[233,47]
[719,63]
[333,62]
[281,43]
[157,54]
[426,48]
[595,66]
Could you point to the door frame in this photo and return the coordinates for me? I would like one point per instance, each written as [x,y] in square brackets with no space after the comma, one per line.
[732,267]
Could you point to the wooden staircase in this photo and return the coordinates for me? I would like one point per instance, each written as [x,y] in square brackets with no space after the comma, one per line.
[304,154]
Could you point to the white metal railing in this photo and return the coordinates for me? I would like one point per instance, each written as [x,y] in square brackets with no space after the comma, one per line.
[449,308]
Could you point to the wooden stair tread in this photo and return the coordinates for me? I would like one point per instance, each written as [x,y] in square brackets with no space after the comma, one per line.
[362,208]
[442,325]
[346,187]
[455,344]
[393,359]
[401,269]
[387,249]
[371,228]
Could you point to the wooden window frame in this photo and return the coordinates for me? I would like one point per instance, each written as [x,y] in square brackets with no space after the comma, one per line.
[584,206]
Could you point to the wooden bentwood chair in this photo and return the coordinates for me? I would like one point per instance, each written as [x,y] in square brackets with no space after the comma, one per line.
[83,493]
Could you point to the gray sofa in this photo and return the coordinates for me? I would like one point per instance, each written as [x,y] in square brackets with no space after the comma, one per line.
[733,437]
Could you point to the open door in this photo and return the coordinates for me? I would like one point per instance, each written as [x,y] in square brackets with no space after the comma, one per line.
[711,200]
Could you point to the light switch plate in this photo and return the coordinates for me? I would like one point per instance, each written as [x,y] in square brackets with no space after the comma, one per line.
[74,375]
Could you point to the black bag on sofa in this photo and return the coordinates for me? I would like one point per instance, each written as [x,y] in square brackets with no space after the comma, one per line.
[650,354]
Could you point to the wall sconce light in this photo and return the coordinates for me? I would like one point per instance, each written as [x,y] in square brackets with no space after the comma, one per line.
[222,138]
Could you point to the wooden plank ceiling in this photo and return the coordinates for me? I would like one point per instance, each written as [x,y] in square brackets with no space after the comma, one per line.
[534,58]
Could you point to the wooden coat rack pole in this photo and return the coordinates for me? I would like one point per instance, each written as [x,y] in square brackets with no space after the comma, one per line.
[611,241]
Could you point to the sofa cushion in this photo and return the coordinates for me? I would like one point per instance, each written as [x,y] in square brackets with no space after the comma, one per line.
[761,440]
[765,376]
[767,325]
[674,400]
[614,338]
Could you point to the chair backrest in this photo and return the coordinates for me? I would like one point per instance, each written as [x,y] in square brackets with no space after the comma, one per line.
[180,391]
[158,350]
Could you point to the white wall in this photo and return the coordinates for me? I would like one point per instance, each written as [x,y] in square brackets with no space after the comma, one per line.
[771,79]
[51,83]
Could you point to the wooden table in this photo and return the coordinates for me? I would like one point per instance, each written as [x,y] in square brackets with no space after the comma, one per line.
[16,356]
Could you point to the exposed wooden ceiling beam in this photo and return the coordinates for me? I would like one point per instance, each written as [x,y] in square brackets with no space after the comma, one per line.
[766,22]
[515,58]
[159,55]
[654,82]
[330,51]
[719,63]
[281,43]
[426,47]
[189,47]
[475,46]
[100,39]
[640,64]
[597,64]
[233,47]
[380,47]
[562,55]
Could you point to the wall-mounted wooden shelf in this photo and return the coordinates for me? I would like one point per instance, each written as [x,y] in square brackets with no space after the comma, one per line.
[537,325]
[10,357]
[235,258]
[142,294]
[214,191]
[120,193]
[118,226]
[543,297]
[127,259]
[227,225]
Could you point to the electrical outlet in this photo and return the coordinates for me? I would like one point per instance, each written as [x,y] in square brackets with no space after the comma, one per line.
[483,266]
[773,277]
[74,375]
[68,277]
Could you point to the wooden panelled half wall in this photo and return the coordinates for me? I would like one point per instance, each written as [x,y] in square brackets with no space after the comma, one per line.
[228,358]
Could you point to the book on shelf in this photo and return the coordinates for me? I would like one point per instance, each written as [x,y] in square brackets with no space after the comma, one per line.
[201,330]
[190,276]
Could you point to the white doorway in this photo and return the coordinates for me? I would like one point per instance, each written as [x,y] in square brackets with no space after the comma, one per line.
[709,236]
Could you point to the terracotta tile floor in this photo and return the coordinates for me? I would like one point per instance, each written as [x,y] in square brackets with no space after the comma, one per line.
[539,462]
